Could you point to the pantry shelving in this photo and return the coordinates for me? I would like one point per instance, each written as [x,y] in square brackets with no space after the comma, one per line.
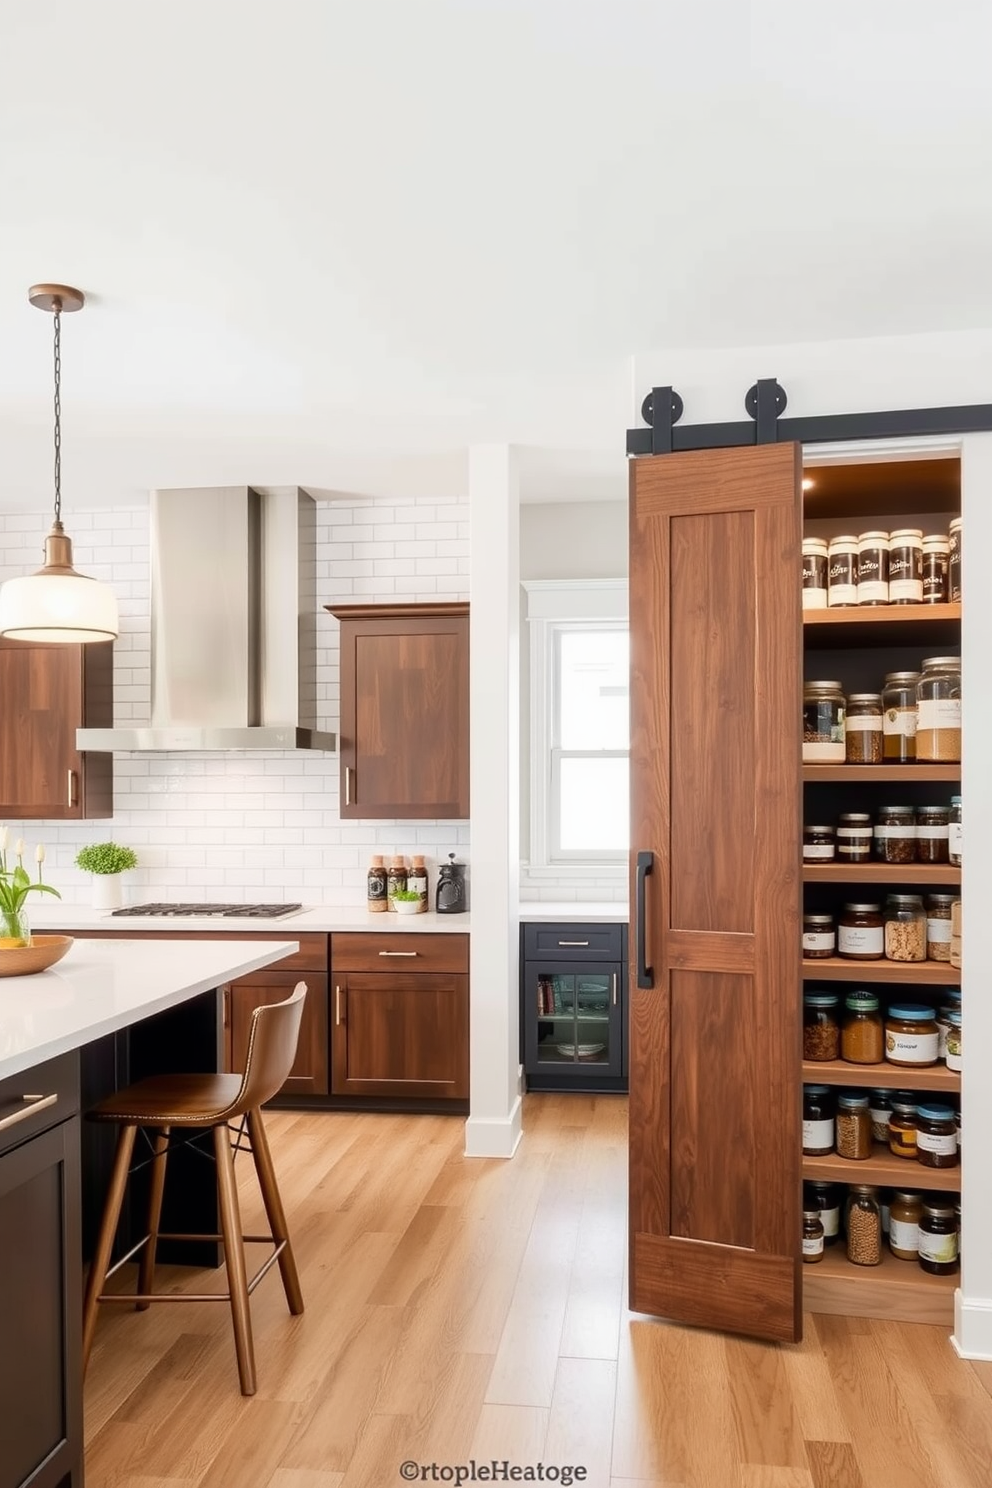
[934,1078]
[883,1168]
[882,774]
[882,873]
[893,1289]
[898,973]
[894,625]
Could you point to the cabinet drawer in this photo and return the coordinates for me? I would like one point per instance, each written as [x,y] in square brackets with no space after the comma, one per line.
[399,952]
[566,942]
[26,1104]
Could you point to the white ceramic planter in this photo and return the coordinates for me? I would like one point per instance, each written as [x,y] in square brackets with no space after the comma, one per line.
[107,891]
[407,906]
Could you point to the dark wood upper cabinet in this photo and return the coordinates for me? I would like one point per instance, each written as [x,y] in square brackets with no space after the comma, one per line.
[715,1022]
[403,738]
[46,693]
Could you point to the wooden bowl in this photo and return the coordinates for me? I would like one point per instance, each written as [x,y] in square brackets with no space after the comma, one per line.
[42,953]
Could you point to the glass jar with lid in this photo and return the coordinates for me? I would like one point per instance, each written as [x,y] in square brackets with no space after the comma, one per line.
[842,571]
[954,561]
[864,1225]
[863,744]
[939,926]
[902,1124]
[853,1126]
[911,1035]
[821,1029]
[950,1002]
[812,1236]
[814,573]
[854,835]
[819,937]
[904,1225]
[824,710]
[895,834]
[818,1120]
[938,710]
[932,833]
[873,568]
[906,566]
[905,928]
[899,717]
[860,932]
[953,1045]
[938,1252]
[819,843]
[825,1197]
[935,556]
[879,1109]
[936,1136]
[954,833]
[862,1039]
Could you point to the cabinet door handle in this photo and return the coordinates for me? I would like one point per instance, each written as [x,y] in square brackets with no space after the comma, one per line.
[226,1005]
[399,953]
[337,1007]
[70,787]
[614,989]
[347,785]
[30,1104]
[573,942]
[645,973]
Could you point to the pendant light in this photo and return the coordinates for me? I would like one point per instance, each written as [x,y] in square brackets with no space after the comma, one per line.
[57,604]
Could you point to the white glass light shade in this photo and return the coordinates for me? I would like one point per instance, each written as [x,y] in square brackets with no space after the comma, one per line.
[58,607]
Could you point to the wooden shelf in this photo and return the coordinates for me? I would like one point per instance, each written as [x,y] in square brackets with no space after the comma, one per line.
[882,873]
[881,625]
[916,973]
[884,1169]
[859,490]
[894,1289]
[936,1078]
[882,774]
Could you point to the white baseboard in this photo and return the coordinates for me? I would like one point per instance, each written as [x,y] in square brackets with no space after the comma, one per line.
[494,1136]
[972,1336]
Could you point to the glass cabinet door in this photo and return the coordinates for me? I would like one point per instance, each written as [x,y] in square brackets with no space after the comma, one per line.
[574,1013]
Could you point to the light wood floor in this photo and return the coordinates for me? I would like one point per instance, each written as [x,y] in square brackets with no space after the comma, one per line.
[461,1309]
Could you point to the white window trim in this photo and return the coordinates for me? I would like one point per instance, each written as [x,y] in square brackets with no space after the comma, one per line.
[552,603]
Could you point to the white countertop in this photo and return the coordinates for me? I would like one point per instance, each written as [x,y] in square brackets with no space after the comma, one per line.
[571,912]
[322,918]
[101,986]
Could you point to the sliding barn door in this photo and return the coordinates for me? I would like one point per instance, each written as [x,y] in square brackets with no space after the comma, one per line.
[715,1016]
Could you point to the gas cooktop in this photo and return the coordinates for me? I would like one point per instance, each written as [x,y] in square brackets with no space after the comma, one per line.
[217,911]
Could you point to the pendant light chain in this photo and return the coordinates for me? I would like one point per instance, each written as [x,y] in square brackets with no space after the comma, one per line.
[58,411]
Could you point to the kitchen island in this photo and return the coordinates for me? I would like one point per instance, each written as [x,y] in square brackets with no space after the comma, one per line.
[101,993]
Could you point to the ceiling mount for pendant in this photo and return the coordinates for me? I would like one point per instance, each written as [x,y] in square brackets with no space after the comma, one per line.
[56,297]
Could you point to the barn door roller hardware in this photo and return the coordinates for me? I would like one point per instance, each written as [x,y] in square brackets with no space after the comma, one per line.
[765,403]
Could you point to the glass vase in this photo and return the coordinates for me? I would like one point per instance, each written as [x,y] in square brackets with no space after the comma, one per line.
[15,932]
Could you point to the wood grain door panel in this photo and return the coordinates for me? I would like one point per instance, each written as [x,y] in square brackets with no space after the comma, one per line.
[46,693]
[400,1035]
[715,756]
[309,1075]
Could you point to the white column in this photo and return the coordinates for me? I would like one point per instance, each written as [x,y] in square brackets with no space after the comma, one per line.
[973,1300]
[493,1126]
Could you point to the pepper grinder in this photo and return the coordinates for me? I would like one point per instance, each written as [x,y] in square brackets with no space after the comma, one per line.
[449,895]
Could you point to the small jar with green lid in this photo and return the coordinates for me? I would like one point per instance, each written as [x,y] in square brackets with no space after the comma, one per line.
[821,1028]
[936,1136]
[911,1035]
[862,1037]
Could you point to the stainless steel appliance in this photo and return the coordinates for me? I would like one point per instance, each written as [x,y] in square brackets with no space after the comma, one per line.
[215,911]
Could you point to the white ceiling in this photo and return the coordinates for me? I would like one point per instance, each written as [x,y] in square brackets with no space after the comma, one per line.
[333,242]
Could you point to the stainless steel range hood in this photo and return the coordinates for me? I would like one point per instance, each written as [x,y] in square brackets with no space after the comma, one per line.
[233,625]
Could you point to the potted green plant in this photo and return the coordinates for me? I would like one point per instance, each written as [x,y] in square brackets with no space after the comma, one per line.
[106,861]
[15,886]
[407,901]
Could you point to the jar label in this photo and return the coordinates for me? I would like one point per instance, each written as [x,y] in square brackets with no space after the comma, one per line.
[940,1248]
[933,834]
[911,1048]
[814,599]
[900,721]
[860,940]
[830,1220]
[903,1235]
[860,834]
[885,834]
[944,1145]
[863,723]
[953,1056]
[939,713]
[818,1135]
[939,931]
[873,591]
[842,594]
[954,840]
[816,940]
[911,589]
[813,1245]
[817,852]
[825,753]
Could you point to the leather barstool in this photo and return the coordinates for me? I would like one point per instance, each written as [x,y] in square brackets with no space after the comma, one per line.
[167,1102]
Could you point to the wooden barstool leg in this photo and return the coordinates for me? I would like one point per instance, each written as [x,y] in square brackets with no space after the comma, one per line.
[265,1169]
[234,1254]
[146,1270]
[105,1239]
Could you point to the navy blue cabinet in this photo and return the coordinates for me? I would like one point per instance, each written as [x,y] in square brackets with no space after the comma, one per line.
[573,1006]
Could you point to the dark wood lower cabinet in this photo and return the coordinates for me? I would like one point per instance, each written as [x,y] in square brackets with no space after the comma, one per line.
[400,1035]
[309,1074]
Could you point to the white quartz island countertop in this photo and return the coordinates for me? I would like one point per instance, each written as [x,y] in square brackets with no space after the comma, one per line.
[102,986]
[322,918]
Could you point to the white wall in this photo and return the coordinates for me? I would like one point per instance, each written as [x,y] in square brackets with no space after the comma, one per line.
[236,825]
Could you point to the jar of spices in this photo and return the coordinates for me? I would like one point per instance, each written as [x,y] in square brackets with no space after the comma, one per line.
[395,880]
[873,568]
[818,1120]
[416,880]
[863,743]
[854,837]
[899,717]
[842,571]
[954,561]
[825,1197]
[953,1055]
[860,933]
[824,708]
[853,1126]
[862,1039]
[911,1035]
[935,556]
[864,1225]
[951,1004]
[906,566]
[938,1235]
[936,1139]
[902,1124]
[814,573]
[895,834]
[904,1225]
[376,892]
[818,844]
[939,926]
[932,833]
[905,928]
[819,937]
[812,1236]
[954,833]
[821,1030]
[879,1109]
[938,710]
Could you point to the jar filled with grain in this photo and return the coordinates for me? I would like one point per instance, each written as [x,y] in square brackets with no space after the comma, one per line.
[819,939]
[824,709]
[911,1035]
[863,744]
[842,571]
[879,1109]
[860,932]
[819,843]
[954,561]
[853,1126]
[873,568]
[818,1120]
[904,1225]
[906,566]
[902,1125]
[899,717]
[932,833]
[854,836]
[936,1137]
[864,1225]
[939,926]
[938,1252]
[812,1236]
[935,558]
[938,710]
[905,928]
[862,1039]
[821,1030]
[814,573]
[895,834]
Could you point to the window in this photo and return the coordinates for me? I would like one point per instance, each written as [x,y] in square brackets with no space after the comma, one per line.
[580,727]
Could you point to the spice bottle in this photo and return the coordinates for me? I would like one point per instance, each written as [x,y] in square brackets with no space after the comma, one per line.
[895,834]
[853,1126]
[818,844]
[416,880]
[395,879]
[818,1120]
[819,938]
[842,571]
[938,710]
[906,566]
[864,1226]
[939,926]
[814,573]
[904,1225]
[863,744]
[905,928]
[938,1235]
[873,568]
[377,886]
[860,933]
[932,833]
[936,1137]
[899,717]
[862,1040]
[879,1109]
[935,559]
[954,833]
[824,707]
[954,561]
[854,833]
[821,1031]
[902,1124]
[812,1236]
[911,1035]
[825,1197]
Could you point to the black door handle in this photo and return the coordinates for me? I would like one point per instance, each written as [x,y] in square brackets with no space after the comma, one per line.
[645,973]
